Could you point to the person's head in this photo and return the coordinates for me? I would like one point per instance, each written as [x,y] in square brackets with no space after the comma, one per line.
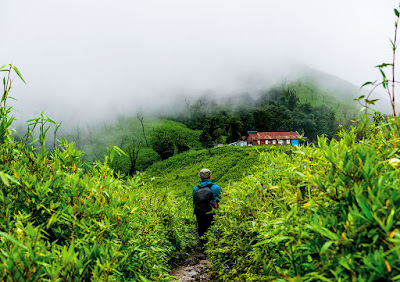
[205,173]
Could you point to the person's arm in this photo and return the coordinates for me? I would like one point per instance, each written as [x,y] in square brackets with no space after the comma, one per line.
[216,192]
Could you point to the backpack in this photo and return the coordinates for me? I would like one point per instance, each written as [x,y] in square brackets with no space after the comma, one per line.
[203,199]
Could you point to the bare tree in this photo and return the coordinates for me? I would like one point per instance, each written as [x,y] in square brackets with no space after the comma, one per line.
[188,112]
[90,134]
[140,118]
[133,152]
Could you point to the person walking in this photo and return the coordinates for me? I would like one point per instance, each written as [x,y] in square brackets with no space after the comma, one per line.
[206,196]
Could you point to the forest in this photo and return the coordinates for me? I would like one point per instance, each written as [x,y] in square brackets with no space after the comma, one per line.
[276,109]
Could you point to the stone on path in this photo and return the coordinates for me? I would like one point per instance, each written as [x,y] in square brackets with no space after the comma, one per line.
[193,269]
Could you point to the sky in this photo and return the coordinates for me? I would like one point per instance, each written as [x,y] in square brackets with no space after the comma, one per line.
[92,59]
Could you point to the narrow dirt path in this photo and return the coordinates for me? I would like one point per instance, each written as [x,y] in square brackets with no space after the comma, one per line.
[194,268]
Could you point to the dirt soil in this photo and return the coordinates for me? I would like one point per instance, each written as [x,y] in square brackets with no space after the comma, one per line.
[194,268]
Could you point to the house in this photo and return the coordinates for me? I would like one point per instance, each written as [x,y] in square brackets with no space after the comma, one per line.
[273,138]
[240,143]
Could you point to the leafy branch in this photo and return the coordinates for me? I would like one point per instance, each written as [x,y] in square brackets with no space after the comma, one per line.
[385,82]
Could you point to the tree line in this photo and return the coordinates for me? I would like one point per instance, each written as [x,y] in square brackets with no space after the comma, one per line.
[278,109]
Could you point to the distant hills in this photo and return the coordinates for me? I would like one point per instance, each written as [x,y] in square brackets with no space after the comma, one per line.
[340,88]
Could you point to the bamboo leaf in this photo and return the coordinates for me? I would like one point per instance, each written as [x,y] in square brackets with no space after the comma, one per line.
[326,246]
[364,208]
[362,96]
[371,102]
[13,179]
[383,65]
[7,236]
[120,151]
[3,177]
[19,74]
[389,221]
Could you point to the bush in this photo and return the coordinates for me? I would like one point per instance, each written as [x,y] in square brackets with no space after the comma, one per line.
[171,138]
[327,213]
[147,157]
[61,219]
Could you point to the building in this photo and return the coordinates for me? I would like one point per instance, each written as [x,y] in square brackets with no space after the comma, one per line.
[239,143]
[273,138]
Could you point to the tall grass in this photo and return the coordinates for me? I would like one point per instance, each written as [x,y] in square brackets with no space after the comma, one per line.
[61,219]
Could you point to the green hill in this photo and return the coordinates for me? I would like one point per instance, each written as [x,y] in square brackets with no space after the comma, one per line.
[128,135]
[228,164]
[118,134]
[344,108]
[325,212]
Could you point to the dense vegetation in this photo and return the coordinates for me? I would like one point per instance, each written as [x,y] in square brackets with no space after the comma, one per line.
[322,213]
[145,140]
[300,107]
[62,219]
[229,164]
[167,139]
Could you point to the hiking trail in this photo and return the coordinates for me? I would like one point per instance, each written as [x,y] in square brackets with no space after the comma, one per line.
[193,268]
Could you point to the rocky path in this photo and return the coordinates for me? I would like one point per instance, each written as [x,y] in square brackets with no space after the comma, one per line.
[193,269]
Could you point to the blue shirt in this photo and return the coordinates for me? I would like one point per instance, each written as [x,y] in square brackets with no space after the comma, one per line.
[216,190]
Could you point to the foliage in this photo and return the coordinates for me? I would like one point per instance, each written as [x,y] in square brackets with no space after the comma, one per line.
[326,213]
[298,107]
[387,84]
[5,110]
[307,93]
[228,164]
[169,139]
[146,157]
[179,174]
[128,134]
[122,134]
[64,220]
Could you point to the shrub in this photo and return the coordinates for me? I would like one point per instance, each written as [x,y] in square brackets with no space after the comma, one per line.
[327,213]
[61,219]
[171,138]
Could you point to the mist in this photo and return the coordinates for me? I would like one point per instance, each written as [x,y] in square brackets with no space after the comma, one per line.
[87,61]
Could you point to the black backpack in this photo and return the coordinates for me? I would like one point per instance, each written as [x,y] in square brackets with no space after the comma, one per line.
[203,199]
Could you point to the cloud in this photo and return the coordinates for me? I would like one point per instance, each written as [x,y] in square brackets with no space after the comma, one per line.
[91,59]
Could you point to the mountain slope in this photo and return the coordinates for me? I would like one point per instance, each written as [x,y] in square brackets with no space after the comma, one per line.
[228,164]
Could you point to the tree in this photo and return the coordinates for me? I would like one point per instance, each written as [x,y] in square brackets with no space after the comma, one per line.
[133,152]
[290,99]
[140,118]
[163,143]
[234,129]
[206,139]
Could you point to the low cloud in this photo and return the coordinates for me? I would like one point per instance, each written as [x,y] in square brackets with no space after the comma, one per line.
[91,60]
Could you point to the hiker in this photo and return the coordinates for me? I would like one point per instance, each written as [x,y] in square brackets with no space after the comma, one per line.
[205,197]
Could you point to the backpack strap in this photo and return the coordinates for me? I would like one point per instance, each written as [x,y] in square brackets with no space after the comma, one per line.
[208,185]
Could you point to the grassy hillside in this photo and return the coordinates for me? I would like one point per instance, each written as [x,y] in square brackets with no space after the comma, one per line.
[118,134]
[228,164]
[344,109]
[178,175]
[128,135]
[326,213]
[65,220]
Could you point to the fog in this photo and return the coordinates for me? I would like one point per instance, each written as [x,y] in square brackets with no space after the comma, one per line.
[93,60]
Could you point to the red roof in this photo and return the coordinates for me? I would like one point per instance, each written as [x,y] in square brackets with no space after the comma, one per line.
[254,135]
